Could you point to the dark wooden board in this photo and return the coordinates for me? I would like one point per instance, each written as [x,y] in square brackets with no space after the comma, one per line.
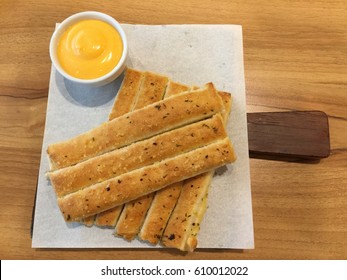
[295,134]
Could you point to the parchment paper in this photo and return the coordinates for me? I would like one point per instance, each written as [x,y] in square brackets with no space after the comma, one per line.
[191,54]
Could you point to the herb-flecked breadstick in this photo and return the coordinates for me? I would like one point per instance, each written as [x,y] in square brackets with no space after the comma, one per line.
[145,152]
[127,94]
[134,212]
[159,213]
[152,89]
[175,88]
[160,210]
[109,217]
[137,183]
[184,223]
[165,200]
[153,119]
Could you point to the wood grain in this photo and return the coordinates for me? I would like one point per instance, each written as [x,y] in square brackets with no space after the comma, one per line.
[293,134]
[295,59]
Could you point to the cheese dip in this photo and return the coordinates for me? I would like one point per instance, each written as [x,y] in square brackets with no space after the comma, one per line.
[89,49]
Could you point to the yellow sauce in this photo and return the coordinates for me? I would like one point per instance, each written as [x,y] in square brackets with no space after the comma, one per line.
[89,49]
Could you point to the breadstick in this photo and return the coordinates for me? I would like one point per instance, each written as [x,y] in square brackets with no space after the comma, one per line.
[152,89]
[191,205]
[159,213]
[124,102]
[227,101]
[183,224]
[152,228]
[137,183]
[127,94]
[132,217]
[153,119]
[164,200]
[88,221]
[109,217]
[139,154]
[134,212]
[175,88]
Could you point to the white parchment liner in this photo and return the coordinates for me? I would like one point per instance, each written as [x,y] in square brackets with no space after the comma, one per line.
[191,54]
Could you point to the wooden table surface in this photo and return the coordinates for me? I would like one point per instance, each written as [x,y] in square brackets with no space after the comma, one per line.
[295,59]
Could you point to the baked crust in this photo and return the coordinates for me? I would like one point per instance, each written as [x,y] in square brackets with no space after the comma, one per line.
[132,217]
[137,183]
[145,208]
[107,166]
[192,203]
[150,87]
[184,222]
[109,217]
[139,154]
[127,94]
[227,101]
[152,229]
[173,112]
[152,90]
[174,88]
[88,221]
[159,213]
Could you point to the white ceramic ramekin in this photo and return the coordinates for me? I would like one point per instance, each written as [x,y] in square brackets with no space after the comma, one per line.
[107,78]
